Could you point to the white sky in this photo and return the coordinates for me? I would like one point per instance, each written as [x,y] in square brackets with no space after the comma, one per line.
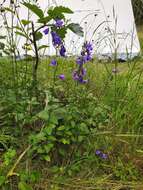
[125,24]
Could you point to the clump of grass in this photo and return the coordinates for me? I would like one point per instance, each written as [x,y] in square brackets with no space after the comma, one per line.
[116,131]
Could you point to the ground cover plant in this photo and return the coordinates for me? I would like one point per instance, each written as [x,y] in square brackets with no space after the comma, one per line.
[67,123]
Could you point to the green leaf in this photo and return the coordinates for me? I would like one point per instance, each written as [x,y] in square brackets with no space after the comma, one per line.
[35,9]
[76,28]
[62,9]
[38,36]
[2,180]
[54,15]
[61,128]
[43,115]
[62,32]
[65,141]
[25,22]
[47,158]
[45,19]
[24,186]
[48,147]
[58,12]
[42,47]
[49,129]
[18,28]
[21,34]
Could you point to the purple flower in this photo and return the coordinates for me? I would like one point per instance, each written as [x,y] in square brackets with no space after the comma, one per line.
[46,31]
[101,154]
[83,71]
[57,41]
[79,61]
[88,58]
[83,81]
[79,76]
[86,55]
[104,156]
[88,46]
[53,62]
[85,58]
[62,51]
[75,75]
[62,77]
[98,152]
[59,23]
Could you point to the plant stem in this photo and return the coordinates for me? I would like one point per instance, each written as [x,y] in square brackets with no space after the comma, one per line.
[35,66]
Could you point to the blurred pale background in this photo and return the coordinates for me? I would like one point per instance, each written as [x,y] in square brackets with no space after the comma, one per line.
[117,33]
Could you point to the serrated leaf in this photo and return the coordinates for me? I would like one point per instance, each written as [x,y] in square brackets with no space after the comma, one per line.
[35,9]
[58,12]
[55,15]
[25,22]
[76,28]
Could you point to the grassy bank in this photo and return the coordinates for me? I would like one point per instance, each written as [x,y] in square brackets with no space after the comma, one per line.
[78,136]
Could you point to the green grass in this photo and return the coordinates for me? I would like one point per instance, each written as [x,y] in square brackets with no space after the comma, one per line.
[111,105]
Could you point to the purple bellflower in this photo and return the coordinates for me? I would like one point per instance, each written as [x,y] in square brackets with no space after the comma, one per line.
[62,50]
[101,155]
[86,55]
[46,31]
[79,76]
[53,62]
[98,152]
[59,23]
[61,76]
[57,41]
[104,156]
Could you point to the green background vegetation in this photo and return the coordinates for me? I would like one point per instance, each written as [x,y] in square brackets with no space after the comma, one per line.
[49,139]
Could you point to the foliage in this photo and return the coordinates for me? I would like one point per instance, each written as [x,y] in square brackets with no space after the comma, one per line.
[80,126]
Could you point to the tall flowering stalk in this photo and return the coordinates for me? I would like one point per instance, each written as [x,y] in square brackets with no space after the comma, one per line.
[86,56]
[58,44]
